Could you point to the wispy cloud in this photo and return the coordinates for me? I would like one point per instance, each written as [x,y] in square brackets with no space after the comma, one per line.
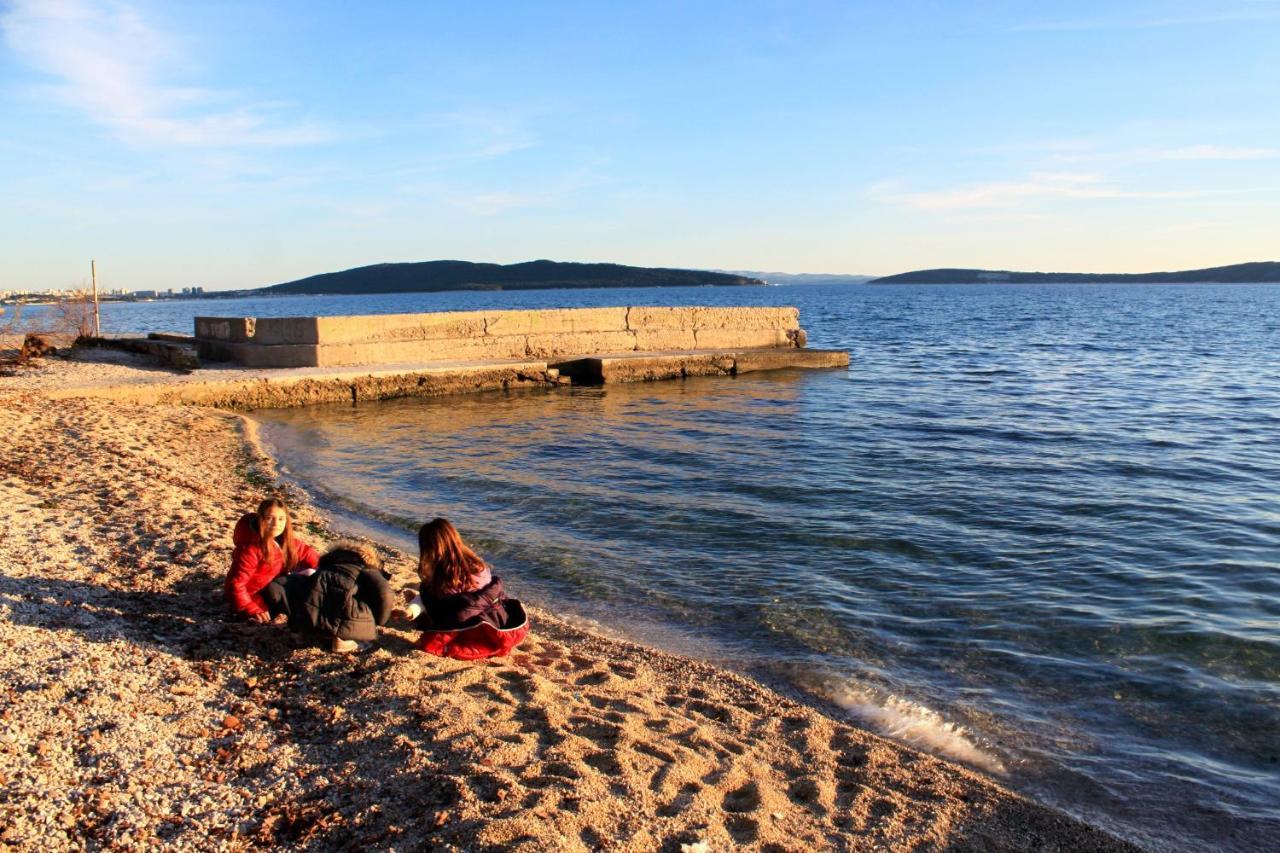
[1213,152]
[1038,186]
[484,133]
[494,203]
[110,64]
[1261,11]
[1140,156]
[591,176]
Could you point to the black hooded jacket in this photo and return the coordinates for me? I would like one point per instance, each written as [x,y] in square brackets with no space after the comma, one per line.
[344,598]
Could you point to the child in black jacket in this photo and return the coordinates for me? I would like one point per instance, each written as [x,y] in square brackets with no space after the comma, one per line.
[344,600]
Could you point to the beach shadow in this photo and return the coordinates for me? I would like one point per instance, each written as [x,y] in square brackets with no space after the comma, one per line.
[185,621]
[303,684]
[387,760]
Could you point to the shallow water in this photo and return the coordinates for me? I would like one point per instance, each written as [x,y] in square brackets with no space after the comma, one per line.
[1034,528]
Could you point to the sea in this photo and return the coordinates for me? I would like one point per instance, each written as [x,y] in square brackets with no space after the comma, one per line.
[1034,529]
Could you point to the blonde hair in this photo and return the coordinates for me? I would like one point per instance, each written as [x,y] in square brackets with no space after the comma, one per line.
[366,552]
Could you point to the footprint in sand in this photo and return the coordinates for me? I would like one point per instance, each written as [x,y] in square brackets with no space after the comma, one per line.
[743,829]
[624,670]
[742,799]
[682,801]
[535,721]
[807,793]
[606,762]
[517,684]
[602,733]
[486,786]
[594,678]
[484,691]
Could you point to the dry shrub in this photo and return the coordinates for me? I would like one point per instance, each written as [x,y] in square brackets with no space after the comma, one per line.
[65,323]
[73,318]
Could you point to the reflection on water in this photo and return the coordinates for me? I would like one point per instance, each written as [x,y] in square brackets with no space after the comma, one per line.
[1031,529]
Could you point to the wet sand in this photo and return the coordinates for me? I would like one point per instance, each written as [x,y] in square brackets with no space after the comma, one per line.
[132,713]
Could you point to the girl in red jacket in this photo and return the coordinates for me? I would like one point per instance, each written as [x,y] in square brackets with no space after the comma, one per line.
[265,549]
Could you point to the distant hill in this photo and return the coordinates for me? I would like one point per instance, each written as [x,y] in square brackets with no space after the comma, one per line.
[1254,273]
[531,275]
[802,277]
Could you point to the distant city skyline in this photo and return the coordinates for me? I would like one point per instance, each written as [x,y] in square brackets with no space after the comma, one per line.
[234,145]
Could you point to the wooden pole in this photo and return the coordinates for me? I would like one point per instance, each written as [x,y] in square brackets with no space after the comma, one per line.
[97,321]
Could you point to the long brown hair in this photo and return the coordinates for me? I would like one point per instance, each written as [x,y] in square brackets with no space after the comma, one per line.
[444,561]
[268,542]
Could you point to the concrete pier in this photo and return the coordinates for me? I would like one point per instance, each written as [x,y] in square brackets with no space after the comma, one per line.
[300,361]
[490,335]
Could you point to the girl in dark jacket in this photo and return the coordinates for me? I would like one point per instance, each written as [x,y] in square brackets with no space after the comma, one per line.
[461,607]
[265,549]
[344,601]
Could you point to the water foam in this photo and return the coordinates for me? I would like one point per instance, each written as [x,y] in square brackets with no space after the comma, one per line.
[916,725]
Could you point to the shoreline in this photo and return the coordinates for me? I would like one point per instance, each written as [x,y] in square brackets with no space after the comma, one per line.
[134,714]
[901,720]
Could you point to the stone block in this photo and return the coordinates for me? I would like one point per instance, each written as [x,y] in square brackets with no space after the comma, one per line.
[270,331]
[644,317]
[404,352]
[773,359]
[746,318]
[557,321]
[658,340]
[377,328]
[579,343]
[230,329]
[721,338]
[256,355]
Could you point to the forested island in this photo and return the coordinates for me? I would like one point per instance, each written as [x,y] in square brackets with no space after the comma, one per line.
[426,276]
[1260,272]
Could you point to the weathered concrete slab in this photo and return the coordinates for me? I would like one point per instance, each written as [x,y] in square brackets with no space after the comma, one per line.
[648,367]
[178,354]
[286,388]
[454,335]
[558,321]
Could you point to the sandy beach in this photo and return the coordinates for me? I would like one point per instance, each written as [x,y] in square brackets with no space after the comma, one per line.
[133,714]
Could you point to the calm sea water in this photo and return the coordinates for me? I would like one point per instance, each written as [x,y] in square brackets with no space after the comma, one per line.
[1036,529]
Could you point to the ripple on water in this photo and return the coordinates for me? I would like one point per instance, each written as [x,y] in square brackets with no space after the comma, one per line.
[1018,532]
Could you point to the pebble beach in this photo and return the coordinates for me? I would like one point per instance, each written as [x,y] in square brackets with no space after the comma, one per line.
[134,714]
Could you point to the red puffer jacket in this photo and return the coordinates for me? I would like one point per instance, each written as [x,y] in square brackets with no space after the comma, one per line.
[252,567]
[473,625]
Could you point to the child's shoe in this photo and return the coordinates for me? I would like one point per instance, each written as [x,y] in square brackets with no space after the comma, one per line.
[345,646]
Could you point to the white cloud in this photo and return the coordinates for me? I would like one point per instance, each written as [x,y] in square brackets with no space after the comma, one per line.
[485,133]
[1214,152]
[1037,186]
[109,64]
[1158,155]
[1258,11]
[493,203]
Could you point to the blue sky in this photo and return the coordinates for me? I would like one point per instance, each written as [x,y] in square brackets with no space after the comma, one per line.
[241,144]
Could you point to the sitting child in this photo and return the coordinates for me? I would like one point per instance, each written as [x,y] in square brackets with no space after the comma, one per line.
[266,549]
[461,607]
[344,600]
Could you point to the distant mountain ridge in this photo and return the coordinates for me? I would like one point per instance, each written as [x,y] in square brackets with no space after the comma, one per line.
[430,276]
[802,277]
[1258,272]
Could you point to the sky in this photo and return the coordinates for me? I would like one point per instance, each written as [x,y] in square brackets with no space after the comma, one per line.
[237,144]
